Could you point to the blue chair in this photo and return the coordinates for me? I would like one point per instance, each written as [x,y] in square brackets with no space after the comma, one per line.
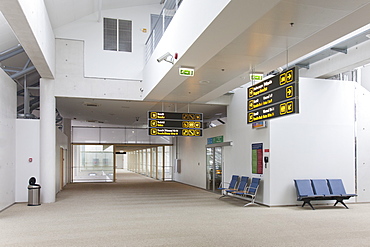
[250,191]
[320,187]
[241,187]
[232,184]
[336,187]
[305,191]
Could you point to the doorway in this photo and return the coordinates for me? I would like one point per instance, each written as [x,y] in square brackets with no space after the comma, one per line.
[214,161]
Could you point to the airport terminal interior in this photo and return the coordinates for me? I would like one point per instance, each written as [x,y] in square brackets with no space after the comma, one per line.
[184,122]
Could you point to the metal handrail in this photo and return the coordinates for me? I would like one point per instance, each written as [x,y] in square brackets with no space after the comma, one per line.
[170,7]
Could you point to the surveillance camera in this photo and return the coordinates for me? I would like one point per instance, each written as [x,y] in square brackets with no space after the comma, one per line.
[165,58]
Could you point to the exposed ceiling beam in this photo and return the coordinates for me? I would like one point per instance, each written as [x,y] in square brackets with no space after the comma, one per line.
[30,23]
[5,55]
[22,72]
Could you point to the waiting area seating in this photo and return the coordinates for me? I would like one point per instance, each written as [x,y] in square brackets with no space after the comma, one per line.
[234,181]
[241,189]
[321,189]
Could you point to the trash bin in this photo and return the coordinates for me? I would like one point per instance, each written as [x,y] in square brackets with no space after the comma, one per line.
[33,193]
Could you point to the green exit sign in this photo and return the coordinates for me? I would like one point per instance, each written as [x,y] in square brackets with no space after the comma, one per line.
[256,77]
[186,71]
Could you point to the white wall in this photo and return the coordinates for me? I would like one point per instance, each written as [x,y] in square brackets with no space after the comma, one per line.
[109,64]
[71,82]
[238,158]
[364,74]
[316,143]
[192,152]
[363,142]
[27,146]
[7,139]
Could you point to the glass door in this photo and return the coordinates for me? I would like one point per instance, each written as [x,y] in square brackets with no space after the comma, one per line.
[214,168]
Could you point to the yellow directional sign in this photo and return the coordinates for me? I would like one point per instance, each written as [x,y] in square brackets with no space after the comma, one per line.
[185,132]
[282,79]
[289,92]
[251,92]
[286,77]
[289,76]
[283,108]
[251,117]
[290,107]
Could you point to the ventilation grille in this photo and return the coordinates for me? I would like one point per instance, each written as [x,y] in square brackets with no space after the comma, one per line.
[110,34]
[117,35]
[90,104]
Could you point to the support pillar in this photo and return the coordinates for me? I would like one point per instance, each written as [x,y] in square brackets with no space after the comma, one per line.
[47,141]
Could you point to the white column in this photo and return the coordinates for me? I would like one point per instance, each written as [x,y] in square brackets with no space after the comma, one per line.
[47,141]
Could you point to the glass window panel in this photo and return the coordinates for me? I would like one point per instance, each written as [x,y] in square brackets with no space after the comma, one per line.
[142,136]
[160,139]
[85,135]
[168,167]
[160,163]
[154,163]
[93,163]
[112,135]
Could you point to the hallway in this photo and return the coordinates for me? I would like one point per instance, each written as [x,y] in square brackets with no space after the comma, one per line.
[138,211]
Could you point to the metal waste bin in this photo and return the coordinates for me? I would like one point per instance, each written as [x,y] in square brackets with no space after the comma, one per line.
[33,193]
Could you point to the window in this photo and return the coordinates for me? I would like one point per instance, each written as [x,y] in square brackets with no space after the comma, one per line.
[117,35]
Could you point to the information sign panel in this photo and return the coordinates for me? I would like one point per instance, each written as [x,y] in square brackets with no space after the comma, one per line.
[270,98]
[274,97]
[174,132]
[175,124]
[257,158]
[277,110]
[272,83]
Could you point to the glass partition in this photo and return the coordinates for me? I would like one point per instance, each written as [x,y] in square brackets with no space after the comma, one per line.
[160,163]
[93,163]
[167,163]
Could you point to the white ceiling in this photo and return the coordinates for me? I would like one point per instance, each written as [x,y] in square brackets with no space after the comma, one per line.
[262,45]
[268,43]
[128,113]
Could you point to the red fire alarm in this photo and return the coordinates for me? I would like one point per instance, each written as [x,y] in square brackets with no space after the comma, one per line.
[30,160]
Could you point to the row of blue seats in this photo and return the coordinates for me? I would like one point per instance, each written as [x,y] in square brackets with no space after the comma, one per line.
[321,189]
[238,186]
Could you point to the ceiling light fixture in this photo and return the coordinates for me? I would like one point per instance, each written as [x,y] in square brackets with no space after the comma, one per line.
[204,82]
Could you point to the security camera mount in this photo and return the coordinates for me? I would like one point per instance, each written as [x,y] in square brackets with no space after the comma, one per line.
[166,57]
